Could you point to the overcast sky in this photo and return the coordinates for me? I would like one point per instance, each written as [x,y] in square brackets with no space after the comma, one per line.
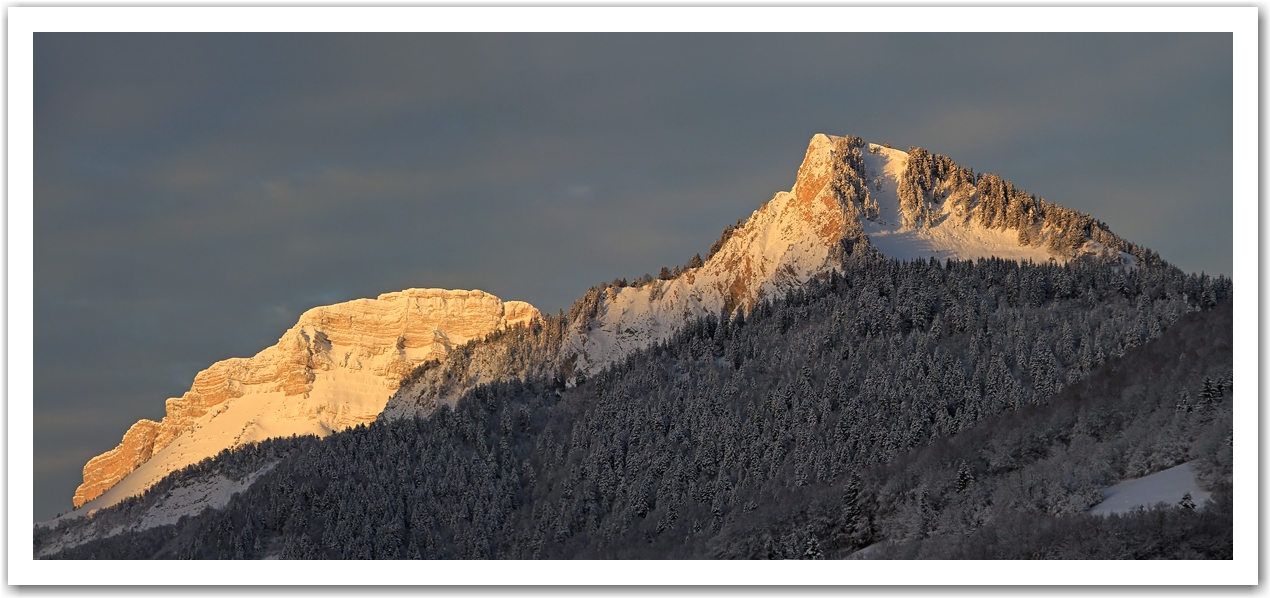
[195,193]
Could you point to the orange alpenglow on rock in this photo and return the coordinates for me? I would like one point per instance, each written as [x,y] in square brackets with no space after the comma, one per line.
[781,245]
[336,368]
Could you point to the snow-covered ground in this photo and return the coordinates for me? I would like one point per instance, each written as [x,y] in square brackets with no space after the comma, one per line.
[192,497]
[211,493]
[786,242]
[338,400]
[1166,486]
[951,237]
[865,552]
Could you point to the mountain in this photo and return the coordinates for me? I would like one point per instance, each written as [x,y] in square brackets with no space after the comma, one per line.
[848,195]
[849,198]
[350,363]
[893,402]
[334,369]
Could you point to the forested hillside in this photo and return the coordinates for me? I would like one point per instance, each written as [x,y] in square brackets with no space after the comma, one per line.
[910,403]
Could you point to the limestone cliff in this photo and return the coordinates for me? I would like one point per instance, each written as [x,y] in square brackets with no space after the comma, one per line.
[334,369]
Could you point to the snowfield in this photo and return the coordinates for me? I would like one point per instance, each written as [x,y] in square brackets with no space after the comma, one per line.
[1166,487]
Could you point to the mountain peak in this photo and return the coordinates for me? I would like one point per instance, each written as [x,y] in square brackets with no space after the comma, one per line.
[848,194]
[796,235]
[334,369]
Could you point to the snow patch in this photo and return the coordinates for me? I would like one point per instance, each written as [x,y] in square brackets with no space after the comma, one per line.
[781,246]
[952,236]
[340,399]
[1166,487]
[190,500]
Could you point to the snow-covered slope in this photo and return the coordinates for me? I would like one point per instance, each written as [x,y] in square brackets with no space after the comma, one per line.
[929,207]
[334,369]
[188,497]
[950,235]
[1168,487]
[785,242]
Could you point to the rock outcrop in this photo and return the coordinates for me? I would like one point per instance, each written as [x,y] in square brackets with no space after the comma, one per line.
[334,369]
[788,240]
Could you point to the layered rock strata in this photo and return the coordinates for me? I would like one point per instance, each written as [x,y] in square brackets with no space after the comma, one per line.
[334,369]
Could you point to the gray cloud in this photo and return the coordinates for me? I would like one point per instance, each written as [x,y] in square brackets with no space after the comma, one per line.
[195,193]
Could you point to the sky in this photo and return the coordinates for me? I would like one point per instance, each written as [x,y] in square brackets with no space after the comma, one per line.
[194,193]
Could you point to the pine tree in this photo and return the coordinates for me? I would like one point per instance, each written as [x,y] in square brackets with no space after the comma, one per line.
[965,476]
[1184,402]
[855,522]
[812,550]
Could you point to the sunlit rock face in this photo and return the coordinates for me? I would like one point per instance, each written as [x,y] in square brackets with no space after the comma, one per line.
[334,369]
[780,246]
